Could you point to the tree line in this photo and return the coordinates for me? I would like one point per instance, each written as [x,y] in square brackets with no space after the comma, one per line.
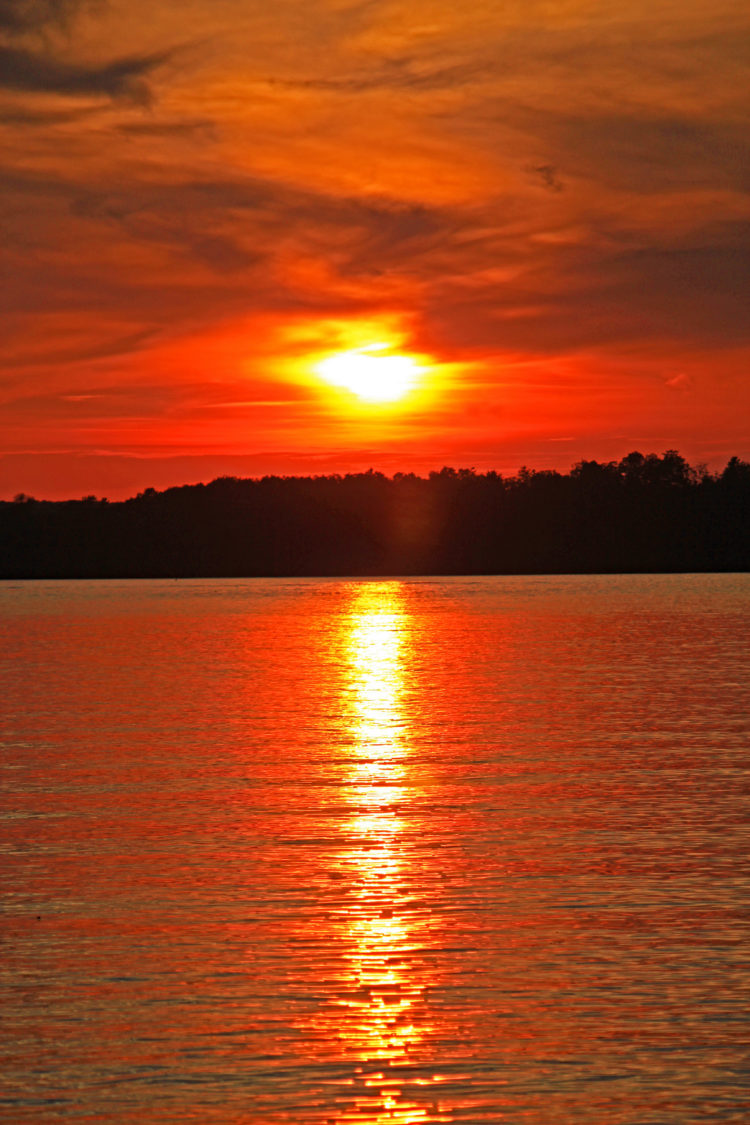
[641,514]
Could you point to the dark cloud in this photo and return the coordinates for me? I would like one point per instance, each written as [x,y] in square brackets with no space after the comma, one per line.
[32,60]
[623,52]
[649,153]
[235,224]
[201,127]
[699,292]
[693,292]
[28,118]
[19,16]
[25,70]
[193,220]
[196,197]
[546,175]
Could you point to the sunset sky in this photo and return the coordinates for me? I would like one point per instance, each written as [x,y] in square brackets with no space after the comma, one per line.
[542,207]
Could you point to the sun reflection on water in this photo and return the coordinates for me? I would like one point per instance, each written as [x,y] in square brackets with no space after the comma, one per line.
[385,997]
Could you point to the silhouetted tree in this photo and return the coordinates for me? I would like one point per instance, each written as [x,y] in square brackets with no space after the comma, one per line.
[643,513]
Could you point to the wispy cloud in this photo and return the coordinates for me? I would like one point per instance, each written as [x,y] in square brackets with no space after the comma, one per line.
[399,73]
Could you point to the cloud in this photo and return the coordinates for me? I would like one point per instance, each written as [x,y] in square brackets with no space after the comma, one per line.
[546,175]
[680,382]
[698,292]
[646,152]
[29,118]
[19,16]
[25,70]
[692,290]
[230,224]
[197,127]
[400,73]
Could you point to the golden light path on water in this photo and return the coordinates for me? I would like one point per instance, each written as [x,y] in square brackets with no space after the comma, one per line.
[383,1026]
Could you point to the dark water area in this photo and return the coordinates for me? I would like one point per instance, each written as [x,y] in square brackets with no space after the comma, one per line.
[309,851]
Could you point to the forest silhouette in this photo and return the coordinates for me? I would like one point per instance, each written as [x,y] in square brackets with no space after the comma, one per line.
[642,514]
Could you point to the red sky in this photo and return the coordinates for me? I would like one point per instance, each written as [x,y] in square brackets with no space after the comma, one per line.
[547,202]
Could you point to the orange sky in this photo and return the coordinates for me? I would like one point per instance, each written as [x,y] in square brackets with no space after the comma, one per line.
[546,202]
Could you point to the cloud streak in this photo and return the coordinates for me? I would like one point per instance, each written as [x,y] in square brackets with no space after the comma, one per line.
[28,71]
[402,73]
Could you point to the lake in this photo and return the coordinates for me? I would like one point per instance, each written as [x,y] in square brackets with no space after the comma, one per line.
[328,851]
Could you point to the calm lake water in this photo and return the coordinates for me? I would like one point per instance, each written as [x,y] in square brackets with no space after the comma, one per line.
[464,850]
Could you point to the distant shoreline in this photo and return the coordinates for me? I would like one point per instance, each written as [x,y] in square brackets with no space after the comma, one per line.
[642,515]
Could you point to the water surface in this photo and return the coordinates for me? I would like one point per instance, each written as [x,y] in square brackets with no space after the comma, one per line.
[459,850]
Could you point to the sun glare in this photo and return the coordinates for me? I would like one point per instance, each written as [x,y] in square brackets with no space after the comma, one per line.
[372,376]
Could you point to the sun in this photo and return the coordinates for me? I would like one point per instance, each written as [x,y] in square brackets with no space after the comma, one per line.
[370,374]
